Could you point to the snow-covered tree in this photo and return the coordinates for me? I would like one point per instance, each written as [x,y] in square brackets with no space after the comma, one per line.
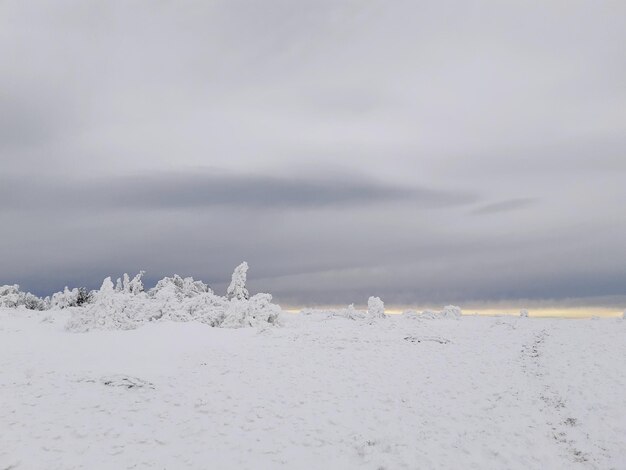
[134,286]
[106,287]
[375,308]
[237,289]
[523,313]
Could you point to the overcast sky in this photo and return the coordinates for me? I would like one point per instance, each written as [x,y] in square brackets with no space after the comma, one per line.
[425,151]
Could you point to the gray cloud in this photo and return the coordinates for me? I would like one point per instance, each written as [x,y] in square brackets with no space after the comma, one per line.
[504,206]
[354,140]
[208,189]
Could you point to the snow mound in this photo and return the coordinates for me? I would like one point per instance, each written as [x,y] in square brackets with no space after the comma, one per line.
[449,312]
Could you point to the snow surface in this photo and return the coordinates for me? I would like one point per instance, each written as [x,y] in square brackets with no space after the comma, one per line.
[324,390]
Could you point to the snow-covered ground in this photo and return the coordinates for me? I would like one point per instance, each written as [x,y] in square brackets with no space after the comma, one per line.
[316,392]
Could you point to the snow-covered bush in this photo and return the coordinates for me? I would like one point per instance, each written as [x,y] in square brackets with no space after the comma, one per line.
[411,314]
[12,297]
[176,299]
[70,298]
[523,313]
[237,288]
[9,296]
[110,310]
[449,311]
[375,308]
[130,286]
[182,288]
[32,302]
[349,313]
[256,311]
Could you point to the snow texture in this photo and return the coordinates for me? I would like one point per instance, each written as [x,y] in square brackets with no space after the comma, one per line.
[319,392]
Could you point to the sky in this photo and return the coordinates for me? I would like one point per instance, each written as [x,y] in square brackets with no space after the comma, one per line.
[428,152]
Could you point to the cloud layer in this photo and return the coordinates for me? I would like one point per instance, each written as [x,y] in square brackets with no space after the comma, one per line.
[427,152]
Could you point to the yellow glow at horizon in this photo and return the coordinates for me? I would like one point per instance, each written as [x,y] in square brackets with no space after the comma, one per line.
[554,312]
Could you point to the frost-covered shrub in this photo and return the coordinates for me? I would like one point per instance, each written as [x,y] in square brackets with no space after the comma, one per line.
[449,311]
[12,297]
[110,310]
[523,313]
[32,302]
[256,311]
[176,299]
[133,286]
[237,288]
[411,314]
[375,308]
[349,313]
[181,288]
[70,298]
[207,308]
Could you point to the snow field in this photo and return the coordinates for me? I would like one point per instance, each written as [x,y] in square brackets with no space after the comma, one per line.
[319,392]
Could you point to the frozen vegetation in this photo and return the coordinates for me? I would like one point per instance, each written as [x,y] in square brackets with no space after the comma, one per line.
[449,311]
[127,305]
